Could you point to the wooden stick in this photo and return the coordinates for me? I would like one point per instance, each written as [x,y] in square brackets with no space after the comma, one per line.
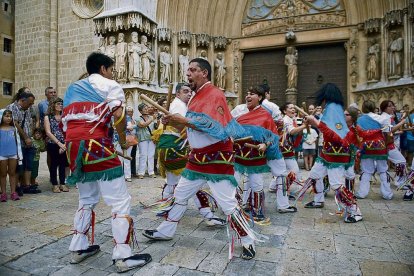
[169,97]
[251,146]
[244,138]
[123,155]
[155,104]
[301,110]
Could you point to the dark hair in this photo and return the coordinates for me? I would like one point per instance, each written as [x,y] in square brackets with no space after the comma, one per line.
[96,60]
[329,93]
[353,112]
[47,88]
[162,100]
[24,96]
[180,85]
[368,106]
[258,90]
[204,65]
[51,107]
[39,130]
[265,87]
[7,111]
[141,107]
[19,92]
[284,107]
[384,105]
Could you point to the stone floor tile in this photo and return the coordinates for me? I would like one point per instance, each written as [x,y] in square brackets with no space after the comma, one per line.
[70,269]
[239,266]
[156,269]
[212,245]
[268,254]
[189,241]
[364,247]
[374,268]
[328,263]
[297,262]
[310,240]
[264,269]
[12,272]
[20,245]
[214,263]
[185,257]
[4,259]
[158,251]
[189,272]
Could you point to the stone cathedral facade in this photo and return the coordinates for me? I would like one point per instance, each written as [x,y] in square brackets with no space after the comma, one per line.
[365,47]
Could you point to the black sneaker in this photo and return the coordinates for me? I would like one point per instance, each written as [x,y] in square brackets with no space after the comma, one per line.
[132,262]
[19,191]
[313,204]
[248,252]
[408,197]
[81,255]
[155,235]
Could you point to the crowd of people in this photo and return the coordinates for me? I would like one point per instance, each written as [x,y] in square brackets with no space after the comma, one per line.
[203,150]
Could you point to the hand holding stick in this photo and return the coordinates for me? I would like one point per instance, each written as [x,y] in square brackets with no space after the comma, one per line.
[154,104]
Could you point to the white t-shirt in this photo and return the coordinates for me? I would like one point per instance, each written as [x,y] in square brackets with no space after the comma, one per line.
[309,137]
[274,109]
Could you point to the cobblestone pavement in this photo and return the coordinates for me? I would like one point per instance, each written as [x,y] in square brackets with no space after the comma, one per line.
[35,235]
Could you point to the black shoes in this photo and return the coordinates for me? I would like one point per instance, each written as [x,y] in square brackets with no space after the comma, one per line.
[81,255]
[248,252]
[408,196]
[155,235]
[32,189]
[132,262]
[313,204]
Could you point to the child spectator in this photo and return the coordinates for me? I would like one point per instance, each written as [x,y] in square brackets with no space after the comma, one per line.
[309,147]
[10,152]
[40,146]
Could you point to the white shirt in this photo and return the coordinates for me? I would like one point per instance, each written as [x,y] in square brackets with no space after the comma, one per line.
[384,120]
[274,109]
[287,124]
[309,137]
[239,110]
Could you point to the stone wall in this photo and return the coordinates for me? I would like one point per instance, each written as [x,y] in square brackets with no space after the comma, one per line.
[32,45]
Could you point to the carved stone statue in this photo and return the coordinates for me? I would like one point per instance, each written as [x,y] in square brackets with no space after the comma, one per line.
[121,59]
[152,60]
[134,50]
[291,60]
[145,60]
[165,66]
[183,61]
[111,48]
[203,54]
[395,53]
[373,61]
[102,45]
[220,71]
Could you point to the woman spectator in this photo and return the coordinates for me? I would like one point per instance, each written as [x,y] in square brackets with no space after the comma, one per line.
[56,145]
[146,125]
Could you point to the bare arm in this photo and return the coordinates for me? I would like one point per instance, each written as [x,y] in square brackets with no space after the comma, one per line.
[51,135]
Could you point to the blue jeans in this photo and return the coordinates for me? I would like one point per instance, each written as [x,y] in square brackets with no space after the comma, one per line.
[28,156]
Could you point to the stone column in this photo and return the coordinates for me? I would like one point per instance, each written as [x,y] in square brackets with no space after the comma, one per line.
[53,57]
[174,55]
[384,51]
[193,47]
[211,59]
[407,46]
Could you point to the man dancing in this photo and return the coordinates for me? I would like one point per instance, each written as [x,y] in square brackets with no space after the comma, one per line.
[173,156]
[336,151]
[89,105]
[209,123]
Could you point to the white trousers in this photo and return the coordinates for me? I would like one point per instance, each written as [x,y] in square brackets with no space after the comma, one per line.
[125,162]
[396,157]
[115,194]
[368,167]
[335,176]
[279,171]
[146,157]
[223,192]
[291,166]
[171,182]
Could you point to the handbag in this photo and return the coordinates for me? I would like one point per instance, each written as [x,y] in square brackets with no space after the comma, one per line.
[131,140]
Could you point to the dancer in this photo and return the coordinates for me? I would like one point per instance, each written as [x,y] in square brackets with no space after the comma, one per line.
[89,105]
[374,152]
[336,152]
[173,156]
[209,123]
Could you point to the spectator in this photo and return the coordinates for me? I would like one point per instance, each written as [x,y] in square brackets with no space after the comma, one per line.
[40,146]
[146,125]
[410,137]
[24,123]
[309,147]
[132,125]
[56,145]
[43,105]
[9,154]
[130,130]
